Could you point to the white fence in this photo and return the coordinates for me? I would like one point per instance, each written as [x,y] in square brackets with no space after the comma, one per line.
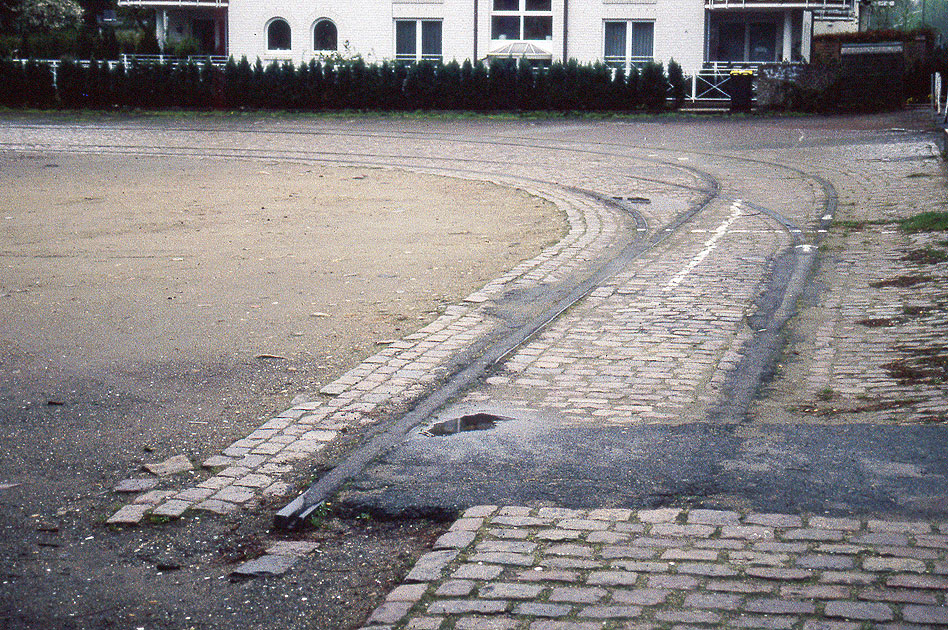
[939,97]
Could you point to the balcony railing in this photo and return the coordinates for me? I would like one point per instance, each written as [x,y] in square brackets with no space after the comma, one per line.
[173,3]
[833,5]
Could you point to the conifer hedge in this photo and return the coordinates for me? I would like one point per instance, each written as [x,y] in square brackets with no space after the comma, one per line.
[503,85]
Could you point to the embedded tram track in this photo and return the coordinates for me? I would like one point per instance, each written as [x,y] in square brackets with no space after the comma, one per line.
[788,279]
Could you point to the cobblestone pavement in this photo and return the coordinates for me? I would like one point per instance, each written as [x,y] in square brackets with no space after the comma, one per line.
[550,568]
[628,390]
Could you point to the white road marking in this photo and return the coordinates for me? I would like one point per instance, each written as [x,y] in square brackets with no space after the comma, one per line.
[708,247]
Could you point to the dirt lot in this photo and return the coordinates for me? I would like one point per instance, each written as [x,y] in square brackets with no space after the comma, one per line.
[153,307]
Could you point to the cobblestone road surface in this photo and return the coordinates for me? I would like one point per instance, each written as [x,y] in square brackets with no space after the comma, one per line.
[644,392]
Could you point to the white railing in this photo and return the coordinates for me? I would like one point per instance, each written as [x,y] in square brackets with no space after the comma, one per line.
[788,4]
[939,98]
[172,3]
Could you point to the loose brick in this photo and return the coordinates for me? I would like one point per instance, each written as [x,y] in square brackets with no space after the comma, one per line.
[455,540]
[578,595]
[610,612]
[390,613]
[867,611]
[926,614]
[467,606]
[712,600]
[779,607]
[431,565]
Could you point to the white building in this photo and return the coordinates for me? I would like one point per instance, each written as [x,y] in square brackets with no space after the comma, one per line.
[620,32]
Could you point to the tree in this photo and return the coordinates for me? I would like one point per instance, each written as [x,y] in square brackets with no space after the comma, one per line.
[47,15]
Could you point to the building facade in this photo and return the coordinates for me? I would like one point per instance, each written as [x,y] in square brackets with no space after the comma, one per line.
[619,32]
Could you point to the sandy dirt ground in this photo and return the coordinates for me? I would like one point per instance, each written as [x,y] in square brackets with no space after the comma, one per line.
[154,307]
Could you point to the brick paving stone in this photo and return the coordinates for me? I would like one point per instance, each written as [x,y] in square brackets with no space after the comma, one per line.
[676,530]
[774,520]
[612,578]
[663,515]
[640,596]
[431,566]
[714,517]
[859,610]
[455,540]
[774,573]
[779,606]
[540,609]
[918,581]
[815,591]
[899,596]
[813,534]
[815,561]
[454,588]
[775,622]
[712,600]
[129,515]
[688,616]
[926,614]
[486,623]
[706,569]
[740,586]
[747,532]
[477,572]
[467,606]
[847,577]
[507,590]
[390,613]
[533,575]
[566,625]
[578,595]
[610,612]
[407,593]
[893,564]
[672,581]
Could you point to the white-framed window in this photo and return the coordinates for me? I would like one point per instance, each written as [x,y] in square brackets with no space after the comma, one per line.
[325,35]
[521,20]
[279,36]
[417,40]
[628,43]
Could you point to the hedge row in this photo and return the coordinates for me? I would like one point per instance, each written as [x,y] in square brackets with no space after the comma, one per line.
[334,85]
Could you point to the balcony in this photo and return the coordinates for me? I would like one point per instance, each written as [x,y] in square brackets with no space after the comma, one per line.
[814,5]
[173,4]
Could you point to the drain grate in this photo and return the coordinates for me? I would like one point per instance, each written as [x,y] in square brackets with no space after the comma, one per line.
[471,422]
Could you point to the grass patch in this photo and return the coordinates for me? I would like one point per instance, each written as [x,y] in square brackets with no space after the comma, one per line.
[859,225]
[902,282]
[926,256]
[925,222]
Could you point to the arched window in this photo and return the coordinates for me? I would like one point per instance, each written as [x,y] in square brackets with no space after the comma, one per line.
[325,35]
[278,35]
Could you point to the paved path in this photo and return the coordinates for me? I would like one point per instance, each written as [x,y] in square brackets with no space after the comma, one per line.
[556,569]
[646,392]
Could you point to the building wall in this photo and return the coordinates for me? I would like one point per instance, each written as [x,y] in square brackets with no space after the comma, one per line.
[368,29]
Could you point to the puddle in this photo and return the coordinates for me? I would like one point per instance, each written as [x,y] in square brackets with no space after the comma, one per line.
[471,422]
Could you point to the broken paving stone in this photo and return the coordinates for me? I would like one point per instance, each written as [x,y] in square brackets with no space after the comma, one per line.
[265,565]
[171,466]
[153,497]
[291,548]
[135,485]
[129,515]
[217,461]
